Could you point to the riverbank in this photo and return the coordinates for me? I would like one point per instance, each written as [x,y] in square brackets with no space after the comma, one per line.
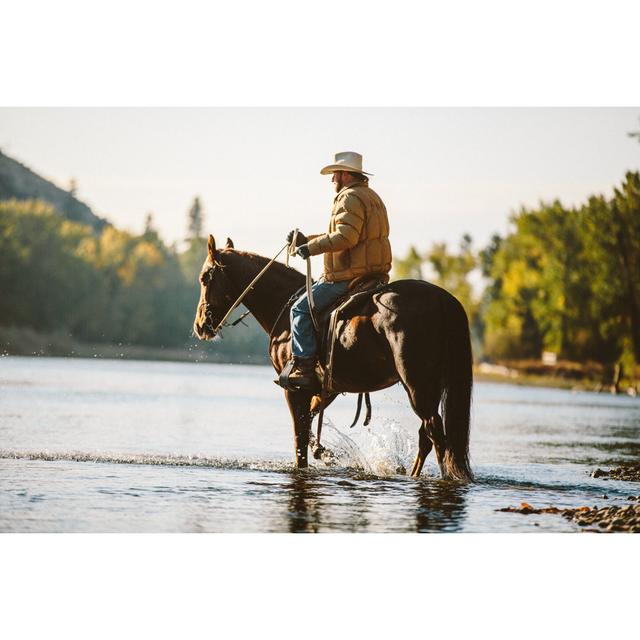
[614,519]
[627,472]
[606,519]
[564,375]
[27,342]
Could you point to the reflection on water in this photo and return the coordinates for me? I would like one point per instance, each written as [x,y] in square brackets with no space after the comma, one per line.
[440,506]
[305,504]
[609,452]
[314,504]
[138,446]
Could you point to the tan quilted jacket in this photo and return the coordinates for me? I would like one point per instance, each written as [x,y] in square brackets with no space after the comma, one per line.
[358,238]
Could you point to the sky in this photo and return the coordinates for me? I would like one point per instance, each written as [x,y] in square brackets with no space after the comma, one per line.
[441,172]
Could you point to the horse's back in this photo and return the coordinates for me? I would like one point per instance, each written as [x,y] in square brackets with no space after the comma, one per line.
[404,297]
[417,291]
[415,313]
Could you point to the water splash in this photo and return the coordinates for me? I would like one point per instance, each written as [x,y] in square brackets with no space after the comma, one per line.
[151,459]
[384,448]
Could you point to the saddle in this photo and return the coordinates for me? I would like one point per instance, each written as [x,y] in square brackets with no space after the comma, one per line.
[326,322]
[367,282]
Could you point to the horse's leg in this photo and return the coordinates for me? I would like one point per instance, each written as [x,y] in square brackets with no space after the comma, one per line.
[299,403]
[424,447]
[420,380]
[435,431]
[424,401]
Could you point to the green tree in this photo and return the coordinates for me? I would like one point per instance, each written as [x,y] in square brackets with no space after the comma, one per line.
[195,220]
[612,247]
[450,270]
[625,210]
[115,287]
[567,280]
[409,267]
[509,329]
[150,233]
[46,283]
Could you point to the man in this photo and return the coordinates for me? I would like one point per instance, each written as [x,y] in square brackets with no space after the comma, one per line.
[356,244]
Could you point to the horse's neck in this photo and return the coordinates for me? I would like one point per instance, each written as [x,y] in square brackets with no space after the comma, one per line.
[268,296]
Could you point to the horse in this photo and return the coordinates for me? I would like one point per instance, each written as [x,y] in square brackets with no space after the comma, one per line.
[408,331]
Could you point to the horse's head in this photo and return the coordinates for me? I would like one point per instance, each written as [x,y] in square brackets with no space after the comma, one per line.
[216,295]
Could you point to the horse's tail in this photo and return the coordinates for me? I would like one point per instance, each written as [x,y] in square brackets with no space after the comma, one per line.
[456,398]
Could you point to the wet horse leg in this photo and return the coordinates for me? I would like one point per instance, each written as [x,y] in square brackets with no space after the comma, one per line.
[425,404]
[299,403]
[421,384]
[420,377]
[424,448]
[435,432]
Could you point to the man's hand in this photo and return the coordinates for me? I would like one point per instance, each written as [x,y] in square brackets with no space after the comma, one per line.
[303,250]
[300,238]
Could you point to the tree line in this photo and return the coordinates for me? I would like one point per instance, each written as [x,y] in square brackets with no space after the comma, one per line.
[563,279]
[103,286]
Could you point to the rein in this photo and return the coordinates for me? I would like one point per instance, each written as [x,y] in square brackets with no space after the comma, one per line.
[247,289]
[312,311]
[291,251]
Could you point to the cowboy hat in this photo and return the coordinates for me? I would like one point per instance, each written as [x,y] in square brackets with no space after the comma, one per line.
[345,161]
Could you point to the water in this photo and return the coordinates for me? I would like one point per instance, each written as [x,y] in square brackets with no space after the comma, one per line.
[106,445]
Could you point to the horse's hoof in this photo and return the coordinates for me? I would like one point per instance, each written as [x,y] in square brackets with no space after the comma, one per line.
[324,455]
[328,457]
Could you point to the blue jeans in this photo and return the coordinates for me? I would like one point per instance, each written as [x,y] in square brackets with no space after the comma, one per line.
[303,336]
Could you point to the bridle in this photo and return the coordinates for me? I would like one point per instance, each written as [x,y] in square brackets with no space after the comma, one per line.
[207,278]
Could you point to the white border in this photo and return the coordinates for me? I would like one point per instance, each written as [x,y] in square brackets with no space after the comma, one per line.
[288,586]
[330,53]
[333,53]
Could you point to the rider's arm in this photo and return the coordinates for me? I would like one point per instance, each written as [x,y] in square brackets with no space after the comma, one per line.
[349,220]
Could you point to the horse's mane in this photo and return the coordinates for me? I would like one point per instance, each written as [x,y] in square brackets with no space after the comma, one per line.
[277,268]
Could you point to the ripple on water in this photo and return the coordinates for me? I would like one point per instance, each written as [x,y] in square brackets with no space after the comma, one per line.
[76,455]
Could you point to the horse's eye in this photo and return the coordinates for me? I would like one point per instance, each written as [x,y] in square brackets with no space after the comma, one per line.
[204,277]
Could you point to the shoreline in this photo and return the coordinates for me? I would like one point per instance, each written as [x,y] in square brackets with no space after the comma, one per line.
[23,343]
[501,374]
[615,518]
[159,354]
[145,354]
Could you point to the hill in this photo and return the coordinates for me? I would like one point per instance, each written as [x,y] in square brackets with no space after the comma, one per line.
[21,183]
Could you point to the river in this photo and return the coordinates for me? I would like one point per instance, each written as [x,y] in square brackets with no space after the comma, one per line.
[96,445]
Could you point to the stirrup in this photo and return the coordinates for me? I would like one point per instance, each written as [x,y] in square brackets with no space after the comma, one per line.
[285,383]
[283,378]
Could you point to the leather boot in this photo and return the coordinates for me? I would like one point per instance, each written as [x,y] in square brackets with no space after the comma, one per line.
[303,374]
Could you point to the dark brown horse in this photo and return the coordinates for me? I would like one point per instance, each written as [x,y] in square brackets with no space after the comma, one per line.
[409,331]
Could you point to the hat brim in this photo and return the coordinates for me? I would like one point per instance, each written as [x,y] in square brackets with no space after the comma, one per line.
[330,168]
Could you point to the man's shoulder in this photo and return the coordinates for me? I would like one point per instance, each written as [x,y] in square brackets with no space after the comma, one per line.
[350,199]
[361,193]
[353,192]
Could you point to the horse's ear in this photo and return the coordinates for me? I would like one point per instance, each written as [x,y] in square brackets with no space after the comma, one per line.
[229,244]
[211,245]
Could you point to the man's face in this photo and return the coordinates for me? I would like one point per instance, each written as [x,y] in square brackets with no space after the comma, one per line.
[338,180]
